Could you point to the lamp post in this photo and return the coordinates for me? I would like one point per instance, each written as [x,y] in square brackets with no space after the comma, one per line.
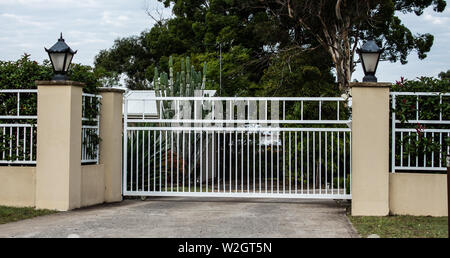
[61,56]
[370,56]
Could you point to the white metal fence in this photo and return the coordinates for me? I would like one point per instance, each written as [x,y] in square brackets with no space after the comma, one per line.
[18,127]
[434,130]
[224,147]
[90,128]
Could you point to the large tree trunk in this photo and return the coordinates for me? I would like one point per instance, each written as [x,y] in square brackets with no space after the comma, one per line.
[335,38]
[340,49]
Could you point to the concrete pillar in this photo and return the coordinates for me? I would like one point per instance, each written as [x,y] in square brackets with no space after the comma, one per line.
[111,145]
[58,170]
[370,149]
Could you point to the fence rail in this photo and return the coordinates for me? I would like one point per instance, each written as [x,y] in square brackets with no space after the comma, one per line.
[18,127]
[436,131]
[242,110]
[242,147]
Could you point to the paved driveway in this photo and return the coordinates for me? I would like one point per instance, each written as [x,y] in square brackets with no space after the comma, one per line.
[192,217]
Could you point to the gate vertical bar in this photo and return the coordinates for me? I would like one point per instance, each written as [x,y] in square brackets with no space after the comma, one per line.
[393,134]
[125,146]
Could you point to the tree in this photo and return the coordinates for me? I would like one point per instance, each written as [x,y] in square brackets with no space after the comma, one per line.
[444,75]
[266,30]
[23,73]
[127,56]
[305,74]
[236,77]
[338,26]
[247,36]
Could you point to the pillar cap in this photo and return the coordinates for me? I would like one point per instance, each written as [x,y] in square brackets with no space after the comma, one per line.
[370,85]
[110,89]
[59,83]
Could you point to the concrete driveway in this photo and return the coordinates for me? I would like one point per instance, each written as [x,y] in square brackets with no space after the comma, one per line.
[193,217]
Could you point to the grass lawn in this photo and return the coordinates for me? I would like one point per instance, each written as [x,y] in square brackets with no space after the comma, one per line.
[10,214]
[401,226]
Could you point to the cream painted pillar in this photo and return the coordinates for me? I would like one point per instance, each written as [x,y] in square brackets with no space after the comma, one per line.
[370,149]
[58,170]
[111,145]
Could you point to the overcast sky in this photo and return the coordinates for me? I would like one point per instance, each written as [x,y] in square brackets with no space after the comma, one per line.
[91,25]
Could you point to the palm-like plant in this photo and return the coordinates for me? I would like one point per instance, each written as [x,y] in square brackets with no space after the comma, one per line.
[153,160]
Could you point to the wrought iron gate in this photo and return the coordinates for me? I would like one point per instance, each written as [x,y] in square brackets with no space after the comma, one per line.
[237,147]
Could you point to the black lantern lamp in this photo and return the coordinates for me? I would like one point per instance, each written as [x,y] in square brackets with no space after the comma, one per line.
[61,56]
[370,54]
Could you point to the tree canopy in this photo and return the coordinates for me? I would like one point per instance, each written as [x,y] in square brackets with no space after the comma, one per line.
[264,41]
[444,75]
[339,25]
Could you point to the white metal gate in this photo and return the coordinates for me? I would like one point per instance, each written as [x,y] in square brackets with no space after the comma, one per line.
[237,147]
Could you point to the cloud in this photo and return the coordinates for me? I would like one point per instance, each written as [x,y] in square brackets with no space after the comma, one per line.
[51,3]
[87,25]
[20,19]
[436,20]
